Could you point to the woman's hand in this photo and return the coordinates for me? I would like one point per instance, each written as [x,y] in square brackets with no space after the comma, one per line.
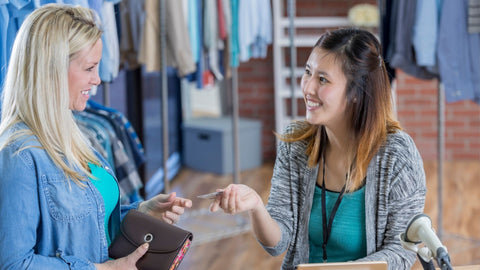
[240,198]
[167,207]
[236,199]
[125,263]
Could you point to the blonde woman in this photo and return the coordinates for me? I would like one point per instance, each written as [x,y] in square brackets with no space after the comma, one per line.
[59,200]
[347,180]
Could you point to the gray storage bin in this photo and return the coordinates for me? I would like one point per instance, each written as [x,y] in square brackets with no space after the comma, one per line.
[208,144]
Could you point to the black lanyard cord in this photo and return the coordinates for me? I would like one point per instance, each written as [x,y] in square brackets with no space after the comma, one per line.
[327,228]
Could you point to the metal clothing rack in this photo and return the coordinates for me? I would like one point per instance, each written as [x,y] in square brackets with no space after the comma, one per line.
[106,94]
[440,155]
[237,224]
[164,90]
[163,55]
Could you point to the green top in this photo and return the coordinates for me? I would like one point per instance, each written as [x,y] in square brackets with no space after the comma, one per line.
[108,188]
[348,236]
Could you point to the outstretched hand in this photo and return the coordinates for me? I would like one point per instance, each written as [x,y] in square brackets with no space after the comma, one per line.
[236,199]
[167,207]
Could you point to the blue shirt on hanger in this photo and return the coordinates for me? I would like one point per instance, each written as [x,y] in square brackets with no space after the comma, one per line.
[458,53]
[425,32]
[12,15]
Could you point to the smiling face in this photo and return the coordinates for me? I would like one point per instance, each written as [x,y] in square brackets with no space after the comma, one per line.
[83,74]
[324,89]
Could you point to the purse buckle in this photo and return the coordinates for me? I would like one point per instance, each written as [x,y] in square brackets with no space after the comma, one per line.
[148,238]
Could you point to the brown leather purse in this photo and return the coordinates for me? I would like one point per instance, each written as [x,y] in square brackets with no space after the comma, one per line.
[168,243]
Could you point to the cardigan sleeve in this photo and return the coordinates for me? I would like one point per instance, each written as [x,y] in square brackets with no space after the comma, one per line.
[279,203]
[401,191]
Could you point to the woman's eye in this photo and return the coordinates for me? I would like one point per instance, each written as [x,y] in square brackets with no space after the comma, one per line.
[307,72]
[323,80]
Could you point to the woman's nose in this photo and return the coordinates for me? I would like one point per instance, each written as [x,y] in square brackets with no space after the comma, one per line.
[308,85]
[96,79]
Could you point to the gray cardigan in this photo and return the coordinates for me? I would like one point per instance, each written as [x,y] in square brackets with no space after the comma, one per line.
[395,191]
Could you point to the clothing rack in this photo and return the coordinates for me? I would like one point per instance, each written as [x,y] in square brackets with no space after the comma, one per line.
[106,94]
[293,56]
[440,155]
[164,92]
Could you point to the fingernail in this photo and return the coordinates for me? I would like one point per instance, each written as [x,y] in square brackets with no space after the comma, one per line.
[145,246]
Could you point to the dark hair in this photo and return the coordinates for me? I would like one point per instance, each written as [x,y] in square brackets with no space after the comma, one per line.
[369,99]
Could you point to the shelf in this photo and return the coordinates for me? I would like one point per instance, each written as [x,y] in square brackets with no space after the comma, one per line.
[307,30]
[306,41]
[288,94]
[299,71]
[315,22]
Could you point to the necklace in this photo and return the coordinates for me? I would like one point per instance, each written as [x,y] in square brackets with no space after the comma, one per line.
[327,228]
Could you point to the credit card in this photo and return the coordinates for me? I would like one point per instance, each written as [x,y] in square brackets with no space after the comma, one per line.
[212,195]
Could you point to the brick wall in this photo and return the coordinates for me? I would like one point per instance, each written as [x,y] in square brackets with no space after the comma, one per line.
[416,100]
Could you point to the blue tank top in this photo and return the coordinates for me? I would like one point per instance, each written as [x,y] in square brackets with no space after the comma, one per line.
[348,237]
[108,188]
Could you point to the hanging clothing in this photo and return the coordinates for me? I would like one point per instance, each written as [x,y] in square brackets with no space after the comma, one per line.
[402,56]
[473,16]
[178,43]
[83,3]
[425,31]
[255,28]
[227,14]
[97,134]
[211,37]
[193,33]
[195,24]
[110,142]
[386,34]
[112,135]
[222,23]
[13,13]
[123,127]
[132,20]
[95,5]
[110,62]
[4,17]
[234,38]
[458,53]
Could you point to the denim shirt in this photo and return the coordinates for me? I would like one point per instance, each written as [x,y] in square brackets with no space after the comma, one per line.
[47,221]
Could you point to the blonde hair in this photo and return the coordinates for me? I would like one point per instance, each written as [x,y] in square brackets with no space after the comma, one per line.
[36,85]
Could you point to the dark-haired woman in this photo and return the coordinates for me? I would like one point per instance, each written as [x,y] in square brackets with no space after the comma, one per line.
[347,180]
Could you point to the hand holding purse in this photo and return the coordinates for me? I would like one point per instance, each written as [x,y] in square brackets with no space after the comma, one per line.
[168,243]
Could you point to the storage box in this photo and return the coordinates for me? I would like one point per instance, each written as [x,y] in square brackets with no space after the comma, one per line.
[208,144]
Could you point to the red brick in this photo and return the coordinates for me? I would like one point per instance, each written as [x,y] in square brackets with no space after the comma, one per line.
[464,135]
[468,155]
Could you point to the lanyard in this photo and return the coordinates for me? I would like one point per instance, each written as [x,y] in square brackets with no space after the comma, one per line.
[327,228]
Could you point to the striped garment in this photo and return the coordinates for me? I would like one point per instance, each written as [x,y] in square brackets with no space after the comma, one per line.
[395,191]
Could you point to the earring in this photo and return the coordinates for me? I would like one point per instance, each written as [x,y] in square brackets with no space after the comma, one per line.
[354,100]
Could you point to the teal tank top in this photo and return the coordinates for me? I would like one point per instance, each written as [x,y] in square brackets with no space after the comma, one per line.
[348,236]
[108,188]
